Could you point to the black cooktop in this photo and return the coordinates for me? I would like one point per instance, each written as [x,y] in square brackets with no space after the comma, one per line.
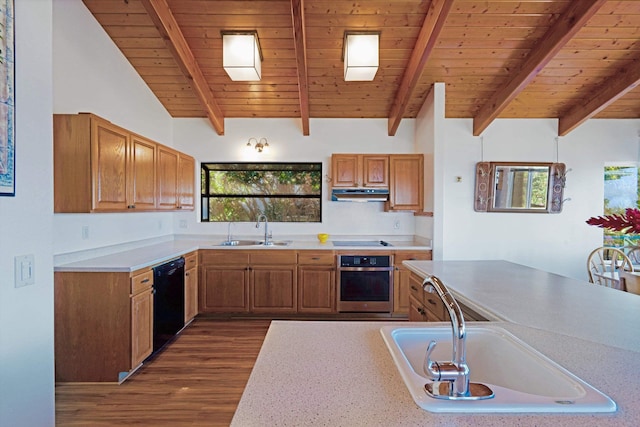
[360,243]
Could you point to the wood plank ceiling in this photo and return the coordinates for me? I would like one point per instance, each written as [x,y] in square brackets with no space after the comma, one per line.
[564,59]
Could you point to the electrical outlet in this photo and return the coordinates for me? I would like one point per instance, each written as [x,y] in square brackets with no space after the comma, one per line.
[396,225]
[159,224]
[183,223]
[24,270]
[85,232]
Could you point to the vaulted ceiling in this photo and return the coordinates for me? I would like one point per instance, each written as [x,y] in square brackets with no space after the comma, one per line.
[565,59]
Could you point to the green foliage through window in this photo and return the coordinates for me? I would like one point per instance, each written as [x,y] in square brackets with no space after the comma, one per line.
[621,188]
[284,192]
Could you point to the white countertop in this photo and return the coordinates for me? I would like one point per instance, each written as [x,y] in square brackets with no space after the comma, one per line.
[338,373]
[150,255]
[538,299]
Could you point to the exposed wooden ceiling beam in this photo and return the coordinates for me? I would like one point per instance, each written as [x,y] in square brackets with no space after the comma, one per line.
[433,23]
[563,30]
[624,80]
[299,38]
[164,20]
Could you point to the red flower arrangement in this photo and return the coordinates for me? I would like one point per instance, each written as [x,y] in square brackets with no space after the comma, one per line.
[628,223]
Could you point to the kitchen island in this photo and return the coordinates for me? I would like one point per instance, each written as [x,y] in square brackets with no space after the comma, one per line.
[341,373]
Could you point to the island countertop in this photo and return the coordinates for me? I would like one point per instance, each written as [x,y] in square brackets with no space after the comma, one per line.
[340,373]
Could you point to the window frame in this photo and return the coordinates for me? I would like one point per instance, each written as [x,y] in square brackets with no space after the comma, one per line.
[206,196]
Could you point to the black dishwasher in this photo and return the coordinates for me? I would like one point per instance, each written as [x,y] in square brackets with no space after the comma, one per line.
[168,302]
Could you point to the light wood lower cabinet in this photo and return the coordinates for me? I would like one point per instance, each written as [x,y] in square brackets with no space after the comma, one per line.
[190,286]
[142,321]
[401,277]
[260,281]
[316,282]
[224,281]
[103,324]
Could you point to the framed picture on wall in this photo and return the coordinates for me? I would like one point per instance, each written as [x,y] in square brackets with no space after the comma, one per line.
[7,100]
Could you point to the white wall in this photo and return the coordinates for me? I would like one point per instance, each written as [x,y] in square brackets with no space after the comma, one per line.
[559,243]
[90,74]
[26,313]
[196,137]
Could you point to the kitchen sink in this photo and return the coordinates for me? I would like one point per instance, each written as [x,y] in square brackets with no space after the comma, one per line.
[255,243]
[241,243]
[522,379]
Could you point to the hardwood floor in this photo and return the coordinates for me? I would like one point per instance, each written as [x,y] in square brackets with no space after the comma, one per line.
[196,381]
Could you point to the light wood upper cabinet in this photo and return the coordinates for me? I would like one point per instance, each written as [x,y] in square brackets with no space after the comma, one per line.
[143,173]
[360,170]
[167,180]
[406,187]
[186,182]
[101,167]
[109,166]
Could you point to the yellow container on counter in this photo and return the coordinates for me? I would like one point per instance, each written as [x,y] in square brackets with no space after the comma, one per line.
[323,237]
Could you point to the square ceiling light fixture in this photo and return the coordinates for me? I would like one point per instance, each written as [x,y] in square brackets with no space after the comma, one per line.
[241,55]
[360,55]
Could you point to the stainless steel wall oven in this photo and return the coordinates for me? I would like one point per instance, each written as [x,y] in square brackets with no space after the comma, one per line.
[365,283]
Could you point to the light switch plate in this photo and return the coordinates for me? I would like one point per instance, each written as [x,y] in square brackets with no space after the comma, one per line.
[24,270]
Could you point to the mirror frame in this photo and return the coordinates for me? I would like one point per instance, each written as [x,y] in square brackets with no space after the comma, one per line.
[485,187]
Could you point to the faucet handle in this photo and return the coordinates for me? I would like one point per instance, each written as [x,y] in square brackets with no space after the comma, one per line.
[430,367]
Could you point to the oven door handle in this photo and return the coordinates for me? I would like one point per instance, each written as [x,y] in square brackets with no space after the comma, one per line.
[365,268]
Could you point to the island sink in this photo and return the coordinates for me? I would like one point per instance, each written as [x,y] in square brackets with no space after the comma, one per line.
[522,379]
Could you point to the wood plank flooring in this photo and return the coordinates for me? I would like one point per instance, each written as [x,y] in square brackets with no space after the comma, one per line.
[196,381]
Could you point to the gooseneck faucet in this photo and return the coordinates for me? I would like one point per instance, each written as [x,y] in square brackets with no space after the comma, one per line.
[456,372]
[267,238]
[229,231]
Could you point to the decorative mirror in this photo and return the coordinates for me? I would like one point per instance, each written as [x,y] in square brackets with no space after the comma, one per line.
[519,187]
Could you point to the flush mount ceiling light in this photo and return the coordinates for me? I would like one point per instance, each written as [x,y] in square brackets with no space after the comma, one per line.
[260,146]
[241,55]
[360,55]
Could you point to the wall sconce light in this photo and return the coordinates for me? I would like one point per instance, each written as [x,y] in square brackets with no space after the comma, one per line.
[241,55]
[360,55]
[260,146]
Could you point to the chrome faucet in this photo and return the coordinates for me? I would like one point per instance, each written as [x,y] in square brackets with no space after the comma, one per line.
[229,231]
[454,374]
[267,236]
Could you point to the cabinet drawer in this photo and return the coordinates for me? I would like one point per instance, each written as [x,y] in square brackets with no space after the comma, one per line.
[434,306]
[142,281]
[316,258]
[415,287]
[190,260]
[271,257]
[223,257]
[410,256]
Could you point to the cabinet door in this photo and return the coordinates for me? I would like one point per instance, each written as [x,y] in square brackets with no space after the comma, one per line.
[417,312]
[273,289]
[375,171]
[316,289]
[344,170]
[167,178]
[142,190]
[186,182]
[401,290]
[406,188]
[402,277]
[109,160]
[225,289]
[190,294]
[141,326]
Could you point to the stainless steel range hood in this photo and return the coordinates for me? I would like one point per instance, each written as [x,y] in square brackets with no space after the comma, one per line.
[360,194]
